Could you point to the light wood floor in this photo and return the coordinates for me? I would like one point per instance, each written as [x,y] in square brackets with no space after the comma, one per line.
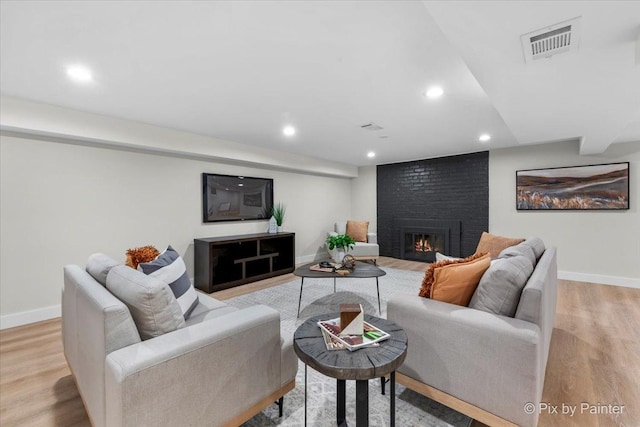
[594,358]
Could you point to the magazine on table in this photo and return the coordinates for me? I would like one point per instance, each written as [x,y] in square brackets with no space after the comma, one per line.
[370,338]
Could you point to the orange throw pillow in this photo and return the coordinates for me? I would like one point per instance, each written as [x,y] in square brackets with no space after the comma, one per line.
[357,230]
[454,281]
[495,244]
[137,256]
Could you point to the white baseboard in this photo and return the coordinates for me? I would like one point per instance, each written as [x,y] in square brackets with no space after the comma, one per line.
[627,282]
[31,316]
[46,313]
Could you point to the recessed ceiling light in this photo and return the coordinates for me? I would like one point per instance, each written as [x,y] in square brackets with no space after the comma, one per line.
[484,137]
[371,154]
[434,92]
[79,73]
[240,185]
[289,130]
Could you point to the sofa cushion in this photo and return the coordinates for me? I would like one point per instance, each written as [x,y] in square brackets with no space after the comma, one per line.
[98,267]
[454,281]
[170,268]
[495,244]
[501,285]
[358,230]
[153,306]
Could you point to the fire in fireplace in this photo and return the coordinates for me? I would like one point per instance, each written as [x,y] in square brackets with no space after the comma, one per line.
[423,246]
[420,238]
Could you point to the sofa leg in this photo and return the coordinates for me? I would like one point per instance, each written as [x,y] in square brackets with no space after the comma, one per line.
[280,404]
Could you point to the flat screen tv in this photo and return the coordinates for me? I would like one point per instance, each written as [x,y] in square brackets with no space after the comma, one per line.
[236,198]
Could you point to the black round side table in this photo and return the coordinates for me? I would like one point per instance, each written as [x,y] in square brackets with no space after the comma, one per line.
[360,365]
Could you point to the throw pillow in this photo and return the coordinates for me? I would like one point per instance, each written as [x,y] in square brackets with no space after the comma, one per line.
[98,267]
[358,230]
[170,269]
[454,281]
[153,307]
[143,254]
[536,244]
[495,244]
[501,285]
[519,249]
[443,257]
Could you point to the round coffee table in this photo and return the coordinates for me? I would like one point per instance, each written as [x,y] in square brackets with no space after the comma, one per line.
[362,270]
[360,365]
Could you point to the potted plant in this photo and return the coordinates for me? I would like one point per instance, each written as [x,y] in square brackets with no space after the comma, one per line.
[278,212]
[341,243]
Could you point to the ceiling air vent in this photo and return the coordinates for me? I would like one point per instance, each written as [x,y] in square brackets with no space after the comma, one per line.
[549,41]
[371,126]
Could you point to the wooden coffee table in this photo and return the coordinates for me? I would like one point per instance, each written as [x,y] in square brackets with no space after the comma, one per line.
[360,365]
[362,270]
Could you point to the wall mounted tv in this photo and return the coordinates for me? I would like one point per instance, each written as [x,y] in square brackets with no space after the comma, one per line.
[236,198]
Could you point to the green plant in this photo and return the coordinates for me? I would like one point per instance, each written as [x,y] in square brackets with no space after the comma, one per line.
[340,241]
[278,212]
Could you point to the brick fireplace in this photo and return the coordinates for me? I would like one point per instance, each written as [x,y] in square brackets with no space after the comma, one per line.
[444,202]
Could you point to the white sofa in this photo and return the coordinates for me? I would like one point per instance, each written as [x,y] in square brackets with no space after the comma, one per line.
[223,366]
[368,250]
[485,365]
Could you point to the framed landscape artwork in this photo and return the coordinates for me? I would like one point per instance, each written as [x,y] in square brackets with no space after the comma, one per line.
[592,187]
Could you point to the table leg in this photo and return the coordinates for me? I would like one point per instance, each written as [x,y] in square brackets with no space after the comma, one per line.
[392,399]
[340,403]
[305,395]
[378,287]
[300,299]
[362,403]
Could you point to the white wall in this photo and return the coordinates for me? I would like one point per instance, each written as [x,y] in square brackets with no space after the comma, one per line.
[593,246]
[364,197]
[601,247]
[62,202]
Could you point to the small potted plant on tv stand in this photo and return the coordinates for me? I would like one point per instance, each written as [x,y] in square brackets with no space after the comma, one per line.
[342,243]
[278,212]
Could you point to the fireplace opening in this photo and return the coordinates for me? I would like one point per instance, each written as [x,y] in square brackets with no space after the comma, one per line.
[423,246]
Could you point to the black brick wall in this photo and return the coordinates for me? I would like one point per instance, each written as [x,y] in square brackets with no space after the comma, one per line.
[451,188]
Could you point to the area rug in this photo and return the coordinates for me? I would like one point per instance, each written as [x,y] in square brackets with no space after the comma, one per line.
[412,409]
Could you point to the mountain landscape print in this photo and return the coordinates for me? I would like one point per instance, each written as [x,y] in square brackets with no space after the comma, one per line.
[574,188]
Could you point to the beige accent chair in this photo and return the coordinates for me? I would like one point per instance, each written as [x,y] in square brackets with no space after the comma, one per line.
[368,250]
[220,368]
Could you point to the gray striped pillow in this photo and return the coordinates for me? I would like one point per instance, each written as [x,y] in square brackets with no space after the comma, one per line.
[169,268]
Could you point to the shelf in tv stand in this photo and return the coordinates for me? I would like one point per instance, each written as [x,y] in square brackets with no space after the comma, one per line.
[244,261]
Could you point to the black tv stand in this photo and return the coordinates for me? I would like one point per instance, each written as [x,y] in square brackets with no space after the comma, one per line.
[225,262]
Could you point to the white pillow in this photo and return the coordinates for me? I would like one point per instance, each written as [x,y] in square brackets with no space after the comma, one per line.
[154,309]
[169,268]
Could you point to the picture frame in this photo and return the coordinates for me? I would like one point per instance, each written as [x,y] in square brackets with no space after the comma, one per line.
[589,187]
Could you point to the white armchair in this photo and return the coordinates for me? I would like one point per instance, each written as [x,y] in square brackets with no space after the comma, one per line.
[368,250]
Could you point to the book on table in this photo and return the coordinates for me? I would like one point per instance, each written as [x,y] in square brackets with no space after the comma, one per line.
[370,338]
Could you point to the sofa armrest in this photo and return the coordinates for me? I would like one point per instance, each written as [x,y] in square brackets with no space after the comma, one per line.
[204,373]
[372,238]
[487,360]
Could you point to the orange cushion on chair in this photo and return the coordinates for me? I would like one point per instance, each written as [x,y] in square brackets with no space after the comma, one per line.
[358,230]
[455,281]
[495,244]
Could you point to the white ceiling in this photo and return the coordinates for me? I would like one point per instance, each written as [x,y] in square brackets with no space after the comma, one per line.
[240,71]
